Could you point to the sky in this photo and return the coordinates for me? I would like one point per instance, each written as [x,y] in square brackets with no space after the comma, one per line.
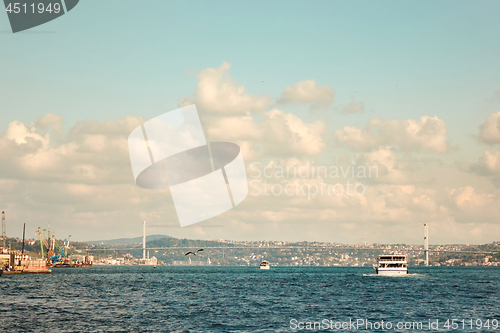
[409,88]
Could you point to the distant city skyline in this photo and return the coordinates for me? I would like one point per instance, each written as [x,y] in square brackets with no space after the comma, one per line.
[408,89]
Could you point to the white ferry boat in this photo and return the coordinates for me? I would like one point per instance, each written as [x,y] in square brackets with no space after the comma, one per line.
[391,265]
[265,265]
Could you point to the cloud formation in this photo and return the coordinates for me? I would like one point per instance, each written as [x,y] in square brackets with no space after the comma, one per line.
[492,161]
[308,91]
[354,107]
[490,130]
[91,152]
[227,113]
[218,93]
[233,128]
[426,133]
[81,182]
[81,179]
[285,132]
[84,182]
[52,122]
[279,133]
[390,169]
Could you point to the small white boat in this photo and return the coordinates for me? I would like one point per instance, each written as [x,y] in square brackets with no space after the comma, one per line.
[265,265]
[391,265]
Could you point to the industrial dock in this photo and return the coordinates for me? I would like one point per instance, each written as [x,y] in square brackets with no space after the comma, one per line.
[51,255]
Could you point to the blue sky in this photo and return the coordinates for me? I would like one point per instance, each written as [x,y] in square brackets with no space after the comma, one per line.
[402,60]
[108,58]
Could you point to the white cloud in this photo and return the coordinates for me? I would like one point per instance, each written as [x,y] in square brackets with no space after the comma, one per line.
[354,107]
[52,122]
[233,128]
[426,133]
[87,181]
[308,91]
[358,139]
[492,161]
[470,205]
[279,133]
[119,127]
[22,134]
[81,180]
[389,169]
[91,152]
[285,132]
[217,93]
[490,130]
[225,109]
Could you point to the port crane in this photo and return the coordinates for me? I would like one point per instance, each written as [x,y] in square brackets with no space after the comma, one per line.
[52,257]
[50,250]
[59,257]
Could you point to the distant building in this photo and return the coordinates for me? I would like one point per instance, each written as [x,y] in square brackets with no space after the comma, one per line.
[80,258]
[153,261]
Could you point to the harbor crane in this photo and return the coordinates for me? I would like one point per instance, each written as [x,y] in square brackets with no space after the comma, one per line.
[60,257]
[50,250]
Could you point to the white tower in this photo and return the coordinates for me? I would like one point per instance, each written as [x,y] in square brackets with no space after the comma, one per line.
[426,243]
[144,240]
[4,237]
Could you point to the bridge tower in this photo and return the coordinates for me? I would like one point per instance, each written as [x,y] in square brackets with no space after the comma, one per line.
[426,243]
[4,237]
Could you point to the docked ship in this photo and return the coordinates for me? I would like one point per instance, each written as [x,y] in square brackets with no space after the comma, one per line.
[265,265]
[18,264]
[391,265]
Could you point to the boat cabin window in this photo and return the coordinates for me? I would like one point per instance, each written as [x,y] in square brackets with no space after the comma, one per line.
[392,258]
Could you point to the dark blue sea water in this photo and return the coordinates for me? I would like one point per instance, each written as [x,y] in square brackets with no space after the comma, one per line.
[245,299]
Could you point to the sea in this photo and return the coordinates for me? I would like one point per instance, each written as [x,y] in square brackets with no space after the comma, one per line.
[246,299]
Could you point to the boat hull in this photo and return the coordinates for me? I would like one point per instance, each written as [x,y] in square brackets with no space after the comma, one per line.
[391,272]
[70,265]
[28,271]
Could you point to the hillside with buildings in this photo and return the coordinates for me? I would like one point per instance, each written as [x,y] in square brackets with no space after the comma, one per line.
[171,251]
